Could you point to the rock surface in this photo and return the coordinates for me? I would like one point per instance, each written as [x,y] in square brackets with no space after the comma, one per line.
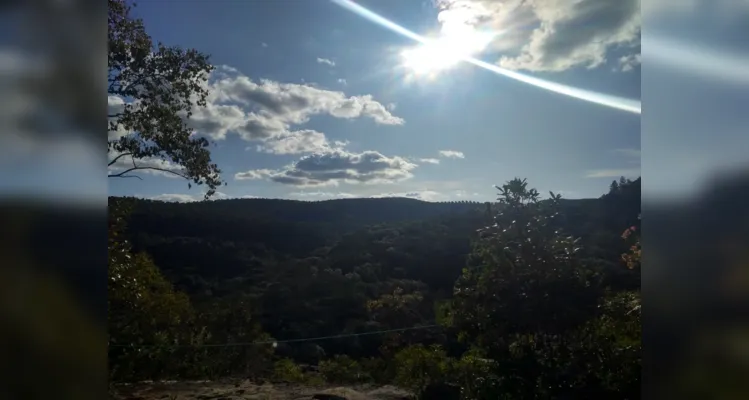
[246,390]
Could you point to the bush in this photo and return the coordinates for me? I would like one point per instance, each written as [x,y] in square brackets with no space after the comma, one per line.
[343,369]
[381,371]
[285,370]
[418,366]
[475,375]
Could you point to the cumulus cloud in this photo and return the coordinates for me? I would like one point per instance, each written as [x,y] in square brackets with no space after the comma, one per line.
[150,165]
[253,174]
[216,120]
[174,197]
[115,106]
[549,35]
[325,61]
[296,142]
[186,198]
[268,112]
[429,160]
[629,62]
[451,154]
[294,103]
[322,195]
[337,166]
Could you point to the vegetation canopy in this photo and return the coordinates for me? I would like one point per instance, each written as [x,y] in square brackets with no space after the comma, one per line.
[152,91]
[533,298]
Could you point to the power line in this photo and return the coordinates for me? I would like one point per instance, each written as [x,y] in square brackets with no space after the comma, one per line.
[275,342]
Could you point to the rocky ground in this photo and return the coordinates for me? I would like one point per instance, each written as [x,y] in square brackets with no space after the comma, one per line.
[248,390]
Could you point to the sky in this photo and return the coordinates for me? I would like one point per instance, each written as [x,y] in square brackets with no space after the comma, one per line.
[312,101]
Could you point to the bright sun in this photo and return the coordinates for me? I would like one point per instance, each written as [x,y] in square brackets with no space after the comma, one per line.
[438,55]
[431,58]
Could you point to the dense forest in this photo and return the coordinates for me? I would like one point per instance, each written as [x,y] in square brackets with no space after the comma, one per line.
[520,298]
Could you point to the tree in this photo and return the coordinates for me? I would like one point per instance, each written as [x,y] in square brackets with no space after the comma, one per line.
[523,292]
[143,306]
[418,366]
[614,188]
[153,91]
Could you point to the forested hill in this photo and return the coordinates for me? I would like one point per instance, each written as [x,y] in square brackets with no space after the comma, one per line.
[300,227]
[259,268]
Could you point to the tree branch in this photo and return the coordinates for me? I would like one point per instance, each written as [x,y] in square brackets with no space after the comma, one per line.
[125,176]
[117,158]
[122,174]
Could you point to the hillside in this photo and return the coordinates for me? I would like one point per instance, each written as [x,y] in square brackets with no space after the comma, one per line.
[245,270]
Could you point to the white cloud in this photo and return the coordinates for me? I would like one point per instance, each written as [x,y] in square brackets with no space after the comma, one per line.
[295,143]
[293,103]
[337,166]
[549,35]
[266,112]
[322,195]
[342,81]
[253,174]
[216,120]
[174,197]
[614,173]
[115,105]
[325,61]
[429,160]
[451,154]
[629,62]
[148,165]
[187,198]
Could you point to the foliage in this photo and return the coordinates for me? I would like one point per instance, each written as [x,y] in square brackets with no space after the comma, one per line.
[285,370]
[381,370]
[159,87]
[533,307]
[523,275]
[535,312]
[634,256]
[400,309]
[475,374]
[418,366]
[343,369]
[143,307]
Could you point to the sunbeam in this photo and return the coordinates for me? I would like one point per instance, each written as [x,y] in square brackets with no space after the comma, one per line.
[620,103]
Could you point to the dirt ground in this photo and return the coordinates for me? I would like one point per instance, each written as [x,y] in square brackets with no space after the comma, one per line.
[245,390]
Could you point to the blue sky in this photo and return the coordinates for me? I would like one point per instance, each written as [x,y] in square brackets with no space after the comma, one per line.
[311,101]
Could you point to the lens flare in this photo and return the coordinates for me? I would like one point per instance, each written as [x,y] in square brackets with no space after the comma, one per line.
[619,103]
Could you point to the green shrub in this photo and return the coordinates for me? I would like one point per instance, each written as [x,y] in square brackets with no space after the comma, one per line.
[285,370]
[418,366]
[343,369]
[474,374]
[380,370]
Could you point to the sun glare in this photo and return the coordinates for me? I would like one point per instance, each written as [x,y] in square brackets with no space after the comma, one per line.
[437,55]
